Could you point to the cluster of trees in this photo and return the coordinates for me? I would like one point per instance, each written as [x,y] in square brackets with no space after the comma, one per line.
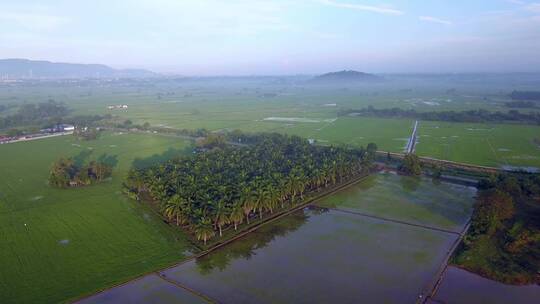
[410,165]
[50,112]
[220,188]
[212,141]
[66,173]
[82,121]
[86,133]
[477,116]
[503,241]
[520,104]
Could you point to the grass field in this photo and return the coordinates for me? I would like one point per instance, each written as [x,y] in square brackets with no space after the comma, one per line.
[59,244]
[218,104]
[482,144]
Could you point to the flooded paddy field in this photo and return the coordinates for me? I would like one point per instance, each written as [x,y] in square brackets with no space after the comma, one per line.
[413,200]
[324,255]
[320,256]
[460,286]
[149,289]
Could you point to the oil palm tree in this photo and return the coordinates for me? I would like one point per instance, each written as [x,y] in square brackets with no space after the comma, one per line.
[203,230]
[237,215]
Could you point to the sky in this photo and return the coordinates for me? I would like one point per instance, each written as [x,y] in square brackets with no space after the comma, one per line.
[277,37]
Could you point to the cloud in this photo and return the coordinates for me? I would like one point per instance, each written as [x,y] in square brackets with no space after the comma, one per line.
[533,7]
[361,7]
[435,20]
[33,21]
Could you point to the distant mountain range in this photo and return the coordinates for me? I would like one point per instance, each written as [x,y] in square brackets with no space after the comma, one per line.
[24,68]
[345,77]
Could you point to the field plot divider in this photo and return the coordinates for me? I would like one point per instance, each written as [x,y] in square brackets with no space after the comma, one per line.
[396,221]
[433,286]
[175,283]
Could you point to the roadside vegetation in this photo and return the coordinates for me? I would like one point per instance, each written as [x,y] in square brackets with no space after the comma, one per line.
[410,165]
[86,133]
[228,186]
[503,242]
[66,173]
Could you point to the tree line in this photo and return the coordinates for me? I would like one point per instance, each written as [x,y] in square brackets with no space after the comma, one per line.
[34,114]
[520,104]
[475,116]
[228,186]
[525,95]
[503,241]
[31,117]
[65,173]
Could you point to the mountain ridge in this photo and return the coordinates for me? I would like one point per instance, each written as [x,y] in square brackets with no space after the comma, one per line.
[346,76]
[26,68]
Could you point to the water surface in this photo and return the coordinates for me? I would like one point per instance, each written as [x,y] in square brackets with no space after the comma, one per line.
[461,286]
[417,200]
[320,256]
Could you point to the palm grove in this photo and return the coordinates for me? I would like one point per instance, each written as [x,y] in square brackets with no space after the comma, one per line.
[226,187]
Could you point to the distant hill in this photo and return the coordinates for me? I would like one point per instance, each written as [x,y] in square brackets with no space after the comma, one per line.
[24,68]
[346,77]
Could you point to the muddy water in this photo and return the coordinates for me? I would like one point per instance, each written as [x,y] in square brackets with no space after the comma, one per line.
[320,256]
[461,286]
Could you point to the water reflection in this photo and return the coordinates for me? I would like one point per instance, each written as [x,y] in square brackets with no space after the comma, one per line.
[246,247]
[410,183]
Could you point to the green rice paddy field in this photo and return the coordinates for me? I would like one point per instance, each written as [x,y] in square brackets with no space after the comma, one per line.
[482,144]
[58,244]
[311,112]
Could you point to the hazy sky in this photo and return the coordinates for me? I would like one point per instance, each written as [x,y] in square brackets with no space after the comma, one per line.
[203,37]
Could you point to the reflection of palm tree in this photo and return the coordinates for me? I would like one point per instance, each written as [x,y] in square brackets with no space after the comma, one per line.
[220,259]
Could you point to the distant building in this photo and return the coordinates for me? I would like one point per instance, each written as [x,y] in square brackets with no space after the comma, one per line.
[113,107]
[59,128]
[65,127]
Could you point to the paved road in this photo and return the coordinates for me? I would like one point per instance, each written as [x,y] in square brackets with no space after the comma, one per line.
[36,137]
[412,140]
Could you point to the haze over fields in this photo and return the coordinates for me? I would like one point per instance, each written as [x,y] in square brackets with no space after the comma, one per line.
[241,37]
